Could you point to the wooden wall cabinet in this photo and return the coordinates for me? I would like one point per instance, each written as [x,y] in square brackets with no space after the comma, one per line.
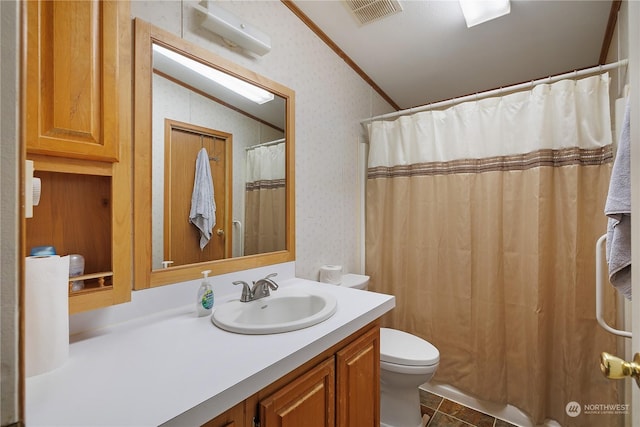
[73,69]
[340,387]
[76,103]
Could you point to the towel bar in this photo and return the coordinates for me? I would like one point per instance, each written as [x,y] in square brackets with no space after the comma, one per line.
[600,291]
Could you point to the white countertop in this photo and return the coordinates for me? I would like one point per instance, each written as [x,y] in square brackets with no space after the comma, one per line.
[176,369]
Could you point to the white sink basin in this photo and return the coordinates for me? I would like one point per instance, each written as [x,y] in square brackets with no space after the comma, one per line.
[286,309]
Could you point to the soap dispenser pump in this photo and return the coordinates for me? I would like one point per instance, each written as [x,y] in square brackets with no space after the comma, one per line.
[204,304]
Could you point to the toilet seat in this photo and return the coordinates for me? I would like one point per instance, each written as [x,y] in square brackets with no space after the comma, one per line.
[418,371]
[401,348]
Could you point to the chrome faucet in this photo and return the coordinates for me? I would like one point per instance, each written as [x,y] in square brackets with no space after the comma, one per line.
[259,290]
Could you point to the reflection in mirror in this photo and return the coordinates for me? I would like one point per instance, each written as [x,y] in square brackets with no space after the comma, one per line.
[188,103]
[197,169]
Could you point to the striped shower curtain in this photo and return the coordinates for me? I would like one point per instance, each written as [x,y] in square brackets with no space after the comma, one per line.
[265,200]
[482,219]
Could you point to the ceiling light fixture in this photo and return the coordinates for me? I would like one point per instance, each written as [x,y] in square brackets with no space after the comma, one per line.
[249,91]
[478,11]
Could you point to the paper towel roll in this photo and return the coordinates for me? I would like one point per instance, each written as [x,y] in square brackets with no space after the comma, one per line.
[331,274]
[46,303]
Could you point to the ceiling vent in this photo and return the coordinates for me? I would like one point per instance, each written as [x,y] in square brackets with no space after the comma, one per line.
[366,11]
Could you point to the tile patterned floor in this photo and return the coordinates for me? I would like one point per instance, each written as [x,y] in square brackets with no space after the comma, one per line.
[445,413]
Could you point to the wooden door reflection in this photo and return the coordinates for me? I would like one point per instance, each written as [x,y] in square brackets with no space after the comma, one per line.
[183,142]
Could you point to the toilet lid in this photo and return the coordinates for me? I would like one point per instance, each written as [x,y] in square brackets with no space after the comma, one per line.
[405,349]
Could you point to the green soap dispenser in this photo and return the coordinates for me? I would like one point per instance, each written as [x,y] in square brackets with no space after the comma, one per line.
[204,304]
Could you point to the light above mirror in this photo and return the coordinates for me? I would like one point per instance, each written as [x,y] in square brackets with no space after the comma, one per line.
[241,87]
[210,114]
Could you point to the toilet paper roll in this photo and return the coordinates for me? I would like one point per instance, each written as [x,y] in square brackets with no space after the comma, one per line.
[46,313]
[331,274]
[37,190]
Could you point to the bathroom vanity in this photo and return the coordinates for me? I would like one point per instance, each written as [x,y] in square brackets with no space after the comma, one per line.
[176,369]
[338,387]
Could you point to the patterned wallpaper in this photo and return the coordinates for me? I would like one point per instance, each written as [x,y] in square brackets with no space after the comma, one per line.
[331,99]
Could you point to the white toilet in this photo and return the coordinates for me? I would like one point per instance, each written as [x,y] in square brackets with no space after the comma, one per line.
[406,362]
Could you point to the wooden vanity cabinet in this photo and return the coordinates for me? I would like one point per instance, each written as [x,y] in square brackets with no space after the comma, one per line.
[308,401]
[358,395]
[339,387]
[233,417]
[76,117]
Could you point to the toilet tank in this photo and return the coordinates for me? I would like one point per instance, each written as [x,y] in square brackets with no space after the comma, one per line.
[356,281]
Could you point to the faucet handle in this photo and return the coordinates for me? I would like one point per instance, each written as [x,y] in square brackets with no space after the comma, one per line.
[271,283]
[246,290]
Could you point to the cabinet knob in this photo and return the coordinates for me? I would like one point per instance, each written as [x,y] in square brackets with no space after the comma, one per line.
[220,232]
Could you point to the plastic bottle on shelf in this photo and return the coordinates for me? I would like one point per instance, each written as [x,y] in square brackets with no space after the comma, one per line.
[76,268]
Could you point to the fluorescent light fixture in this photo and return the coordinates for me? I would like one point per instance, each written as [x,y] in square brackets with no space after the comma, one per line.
[478,11]
[249,91]
[233,29]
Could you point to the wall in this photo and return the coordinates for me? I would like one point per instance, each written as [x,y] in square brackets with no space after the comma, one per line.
[619,49]
[9,215]
[331,99]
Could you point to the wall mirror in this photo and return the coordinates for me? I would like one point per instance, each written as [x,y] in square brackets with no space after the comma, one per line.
[193,114]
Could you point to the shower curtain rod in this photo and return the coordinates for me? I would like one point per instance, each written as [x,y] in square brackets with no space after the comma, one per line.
[265,144]
[500,91]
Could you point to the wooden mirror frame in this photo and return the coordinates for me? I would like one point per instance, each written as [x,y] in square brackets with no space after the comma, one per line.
[144,276]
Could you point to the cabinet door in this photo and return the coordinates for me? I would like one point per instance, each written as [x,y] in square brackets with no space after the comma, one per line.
[307,401]
[72,70]
[358,383]
[233,417]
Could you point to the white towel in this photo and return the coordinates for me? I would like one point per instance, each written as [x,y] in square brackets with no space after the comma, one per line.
[203,204]
[618,209]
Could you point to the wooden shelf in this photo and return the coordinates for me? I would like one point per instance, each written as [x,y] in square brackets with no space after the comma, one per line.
[99,282]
